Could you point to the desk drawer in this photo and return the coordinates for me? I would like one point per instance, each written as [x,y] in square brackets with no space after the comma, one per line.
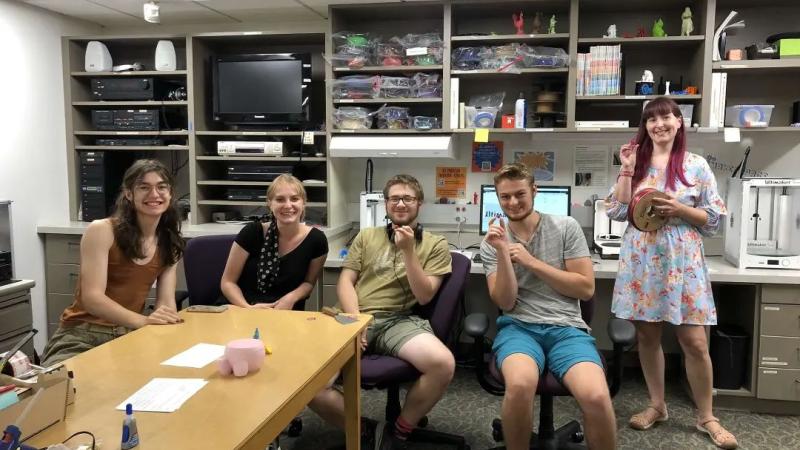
[779,384]
[15,314]
[779,352]
[780,293]
[62,278]
[780,320]
[63,248]
[330,276]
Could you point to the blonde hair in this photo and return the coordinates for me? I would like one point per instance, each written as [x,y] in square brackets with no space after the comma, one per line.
[286,180]
[514,172]
[406,180]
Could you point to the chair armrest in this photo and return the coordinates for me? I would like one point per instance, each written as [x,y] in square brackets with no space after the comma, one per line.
[180,297]
[621,332]
[476,325]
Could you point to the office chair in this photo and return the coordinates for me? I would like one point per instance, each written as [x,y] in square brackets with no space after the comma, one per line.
[388,372]
[622,334]
[203,263]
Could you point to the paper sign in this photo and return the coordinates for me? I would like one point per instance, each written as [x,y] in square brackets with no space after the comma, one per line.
[451,184]
[487,156]
[732,134]
[308,138]
[417,51]
[481,135]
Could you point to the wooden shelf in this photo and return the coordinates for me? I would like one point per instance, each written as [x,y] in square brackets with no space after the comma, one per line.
[376,131]
[261,158]
[136,73]
[503,38]
[511,72]
[254,203]
[395,69]
[624,98]
[249,183]
[388,100]
[760,65]
[770,129]
[131,133]
[131,147]
[132,103]
[511,130]
[255,133]
[649,40]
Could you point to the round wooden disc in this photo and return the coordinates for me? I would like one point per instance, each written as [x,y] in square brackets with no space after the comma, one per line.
[642,214]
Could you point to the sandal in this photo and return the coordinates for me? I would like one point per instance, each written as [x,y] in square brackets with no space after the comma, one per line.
[647,418]
[722,438]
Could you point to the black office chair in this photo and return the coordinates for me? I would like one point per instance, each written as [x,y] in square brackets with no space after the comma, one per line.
[570,435]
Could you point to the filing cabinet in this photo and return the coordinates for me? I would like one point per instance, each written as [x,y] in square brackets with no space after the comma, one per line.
[779,343]
[15,319]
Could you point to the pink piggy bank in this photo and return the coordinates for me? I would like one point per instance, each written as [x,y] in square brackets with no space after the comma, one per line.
[241,357]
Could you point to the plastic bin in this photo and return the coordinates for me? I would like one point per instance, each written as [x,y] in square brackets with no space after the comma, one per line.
[728,356]
[748,116]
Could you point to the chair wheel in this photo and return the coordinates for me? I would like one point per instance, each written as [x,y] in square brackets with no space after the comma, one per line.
[295,428]
[577,437]
[423,422]
[497,430]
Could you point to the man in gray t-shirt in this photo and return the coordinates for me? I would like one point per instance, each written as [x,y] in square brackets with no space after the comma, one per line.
[538,270]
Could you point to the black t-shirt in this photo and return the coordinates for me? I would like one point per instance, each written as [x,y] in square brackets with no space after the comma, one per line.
[293,265]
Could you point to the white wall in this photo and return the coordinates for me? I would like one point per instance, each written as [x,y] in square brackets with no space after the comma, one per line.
[33,152]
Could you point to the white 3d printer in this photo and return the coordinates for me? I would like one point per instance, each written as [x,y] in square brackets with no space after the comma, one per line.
[763,224]
[371,207]
[606,233]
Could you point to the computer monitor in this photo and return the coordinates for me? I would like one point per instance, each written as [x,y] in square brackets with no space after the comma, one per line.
[555,200]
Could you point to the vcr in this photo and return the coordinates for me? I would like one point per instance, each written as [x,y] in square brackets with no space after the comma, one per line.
[118,142]
[252,172]
[125,119]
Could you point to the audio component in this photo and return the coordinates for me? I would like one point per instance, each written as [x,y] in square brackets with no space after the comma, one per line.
[125,119]
[253,148]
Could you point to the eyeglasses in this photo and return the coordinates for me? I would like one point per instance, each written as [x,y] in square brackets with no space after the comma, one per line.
[144,189]
[407,199]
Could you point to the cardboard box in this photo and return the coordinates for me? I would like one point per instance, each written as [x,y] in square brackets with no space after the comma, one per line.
[789,48]
[51,404]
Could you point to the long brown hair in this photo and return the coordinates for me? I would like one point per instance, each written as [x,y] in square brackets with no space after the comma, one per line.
[127,233]
[660,106]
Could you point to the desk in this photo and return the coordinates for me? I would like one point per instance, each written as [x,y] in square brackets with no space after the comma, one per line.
[308,348]
[15,314]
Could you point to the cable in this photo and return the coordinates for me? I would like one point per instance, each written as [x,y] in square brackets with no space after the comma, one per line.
[368,176]
[77,434]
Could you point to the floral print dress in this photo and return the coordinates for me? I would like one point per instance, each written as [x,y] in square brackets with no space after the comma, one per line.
[662,274]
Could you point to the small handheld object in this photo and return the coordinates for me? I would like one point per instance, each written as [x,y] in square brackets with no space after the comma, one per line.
[340,317]
[642,213]
[10,440]
[130,433]
[207,308]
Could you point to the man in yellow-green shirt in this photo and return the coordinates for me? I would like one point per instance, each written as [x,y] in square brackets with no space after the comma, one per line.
[388,270]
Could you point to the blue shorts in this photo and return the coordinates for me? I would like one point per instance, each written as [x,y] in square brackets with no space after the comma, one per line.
[561,347]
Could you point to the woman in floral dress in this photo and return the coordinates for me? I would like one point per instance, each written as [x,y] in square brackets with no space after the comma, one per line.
[662,274]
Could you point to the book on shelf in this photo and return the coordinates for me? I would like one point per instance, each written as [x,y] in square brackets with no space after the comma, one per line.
[600,71]
[602,124]
[454,108]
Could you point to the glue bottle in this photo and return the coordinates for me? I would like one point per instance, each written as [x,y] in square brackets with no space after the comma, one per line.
[130,434]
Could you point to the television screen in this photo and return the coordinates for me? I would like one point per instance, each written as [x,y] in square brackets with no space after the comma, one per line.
[261,89]
[554,200]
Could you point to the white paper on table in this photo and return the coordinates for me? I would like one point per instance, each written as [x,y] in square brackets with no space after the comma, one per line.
[163,394]
[198,356]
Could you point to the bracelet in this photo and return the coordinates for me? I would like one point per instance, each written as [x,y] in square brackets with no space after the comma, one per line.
[626,173]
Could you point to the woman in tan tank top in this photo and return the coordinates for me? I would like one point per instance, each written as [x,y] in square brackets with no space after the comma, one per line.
[121,257]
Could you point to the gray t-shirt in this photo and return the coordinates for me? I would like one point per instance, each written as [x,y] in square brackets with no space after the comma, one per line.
[557,239]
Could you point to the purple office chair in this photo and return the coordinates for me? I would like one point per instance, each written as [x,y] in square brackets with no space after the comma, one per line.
[387,372]
[622,334]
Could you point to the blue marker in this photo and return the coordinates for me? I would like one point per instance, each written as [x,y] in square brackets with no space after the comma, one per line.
[256,335]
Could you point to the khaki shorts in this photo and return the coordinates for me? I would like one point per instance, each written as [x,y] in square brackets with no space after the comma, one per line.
[69,341]
[386,335]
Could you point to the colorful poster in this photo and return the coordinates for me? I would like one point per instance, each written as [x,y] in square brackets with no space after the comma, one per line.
[487,157]
[541,164]
[451,184]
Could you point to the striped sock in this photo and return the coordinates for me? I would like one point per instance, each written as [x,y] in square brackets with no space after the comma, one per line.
[402,428]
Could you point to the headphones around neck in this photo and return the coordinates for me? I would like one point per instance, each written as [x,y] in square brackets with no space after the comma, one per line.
[417,232]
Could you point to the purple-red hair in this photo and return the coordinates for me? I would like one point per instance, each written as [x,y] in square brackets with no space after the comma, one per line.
[660,106]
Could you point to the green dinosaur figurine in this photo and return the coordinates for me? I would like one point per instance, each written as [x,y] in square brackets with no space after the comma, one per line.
[658,28]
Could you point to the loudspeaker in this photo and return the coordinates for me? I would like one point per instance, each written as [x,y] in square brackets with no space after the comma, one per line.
[165,56]
[417,232]
[97,58]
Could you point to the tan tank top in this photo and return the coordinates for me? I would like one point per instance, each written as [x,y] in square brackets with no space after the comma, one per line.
[127,283]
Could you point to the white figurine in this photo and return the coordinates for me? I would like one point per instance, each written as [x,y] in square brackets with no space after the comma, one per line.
[666,89]
[647,76]
[612,31]
[686,24]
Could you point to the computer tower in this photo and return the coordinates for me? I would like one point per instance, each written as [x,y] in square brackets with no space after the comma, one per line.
[99,179]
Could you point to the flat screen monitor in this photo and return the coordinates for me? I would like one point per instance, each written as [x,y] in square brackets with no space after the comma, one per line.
[269,89]
[554,200]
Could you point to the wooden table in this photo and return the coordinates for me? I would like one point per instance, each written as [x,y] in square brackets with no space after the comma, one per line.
[308,349]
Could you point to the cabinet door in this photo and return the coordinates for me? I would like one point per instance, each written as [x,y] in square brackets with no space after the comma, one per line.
[779,352]
[780,293]
[15,313]
[779,384]
[329,297]
[62,278]
[63,248]
[780,320]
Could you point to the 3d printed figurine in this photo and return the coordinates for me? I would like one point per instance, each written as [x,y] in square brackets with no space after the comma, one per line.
[666,89]
[641,32]
[612,31]
[686,22]
[537,23]
[242,356]
[552,28]
[647,76]
[645,86]
[518,22]
[658,28]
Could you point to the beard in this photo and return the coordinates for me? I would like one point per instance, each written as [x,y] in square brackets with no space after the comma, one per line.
[522,216]
[410,218]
